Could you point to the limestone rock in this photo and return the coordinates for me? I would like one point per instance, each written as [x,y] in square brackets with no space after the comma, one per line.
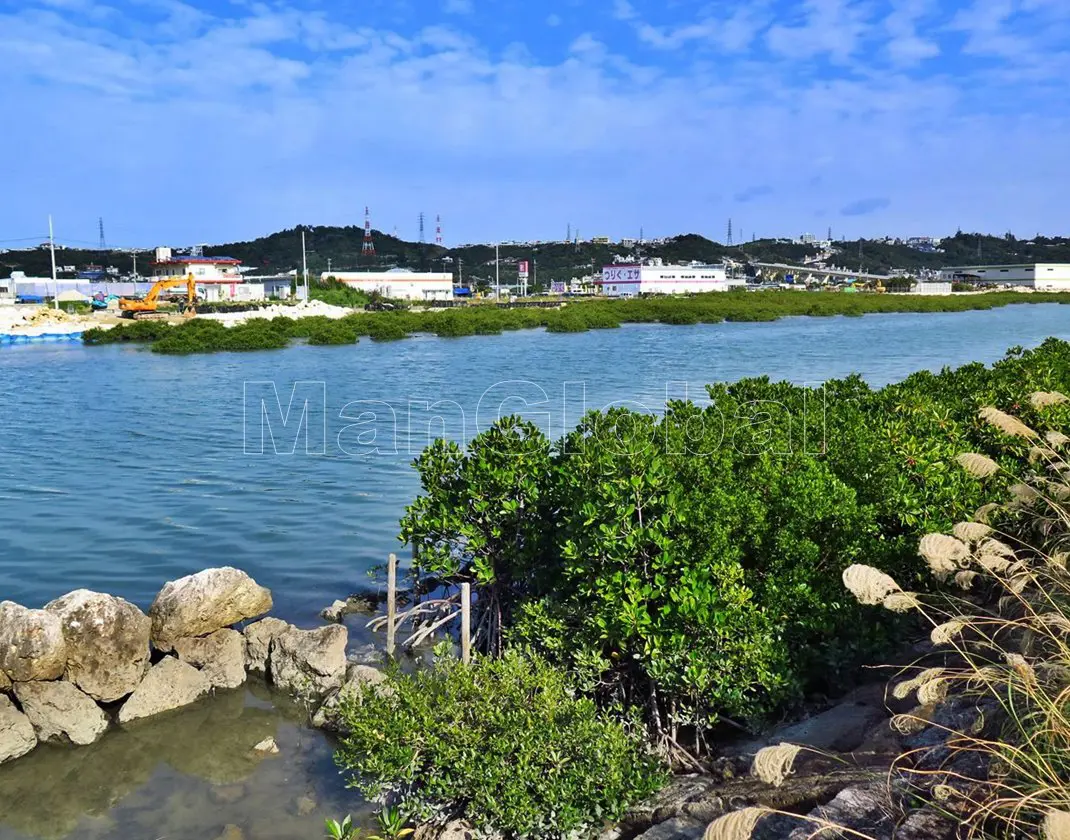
[675,828]
[258,639]
[305,805]
[5,682]
[199,604]
[267,747]
[60,712]
[31,644]
[107,643]
[864,810]
[335,612]
[169,684]
[220,656]
[358,678]
[842,728]
[309,663]
[231,832]
[16,732]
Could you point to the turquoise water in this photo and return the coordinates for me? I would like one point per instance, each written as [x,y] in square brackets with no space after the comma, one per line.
[122,469]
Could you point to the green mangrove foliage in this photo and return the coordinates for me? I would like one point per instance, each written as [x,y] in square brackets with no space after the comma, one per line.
[502,743]
[487,319]
[690,564]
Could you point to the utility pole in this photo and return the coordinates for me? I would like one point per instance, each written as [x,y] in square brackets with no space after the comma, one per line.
[135,266]
[535,279]
[52,249]
[328,266]
[304,263]
[497,274]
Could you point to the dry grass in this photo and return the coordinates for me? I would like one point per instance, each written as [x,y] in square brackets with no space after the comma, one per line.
[1008,647]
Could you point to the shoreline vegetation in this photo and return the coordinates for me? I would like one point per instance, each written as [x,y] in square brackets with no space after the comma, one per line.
[686,575]
[206,336]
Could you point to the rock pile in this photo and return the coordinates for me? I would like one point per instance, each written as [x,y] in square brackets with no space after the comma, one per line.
[86,660]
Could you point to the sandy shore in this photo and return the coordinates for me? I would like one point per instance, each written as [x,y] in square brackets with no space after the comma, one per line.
[300,310]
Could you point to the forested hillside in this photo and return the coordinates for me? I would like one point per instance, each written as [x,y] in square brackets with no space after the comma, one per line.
[339,249]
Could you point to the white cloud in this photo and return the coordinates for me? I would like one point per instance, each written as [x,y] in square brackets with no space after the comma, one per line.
[553,20]
[309,118]
[623,10]
[830,27]
[458,7]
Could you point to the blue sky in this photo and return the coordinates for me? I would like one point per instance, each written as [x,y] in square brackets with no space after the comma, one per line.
[184,121]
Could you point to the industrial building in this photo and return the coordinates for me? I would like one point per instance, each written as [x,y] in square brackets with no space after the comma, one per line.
[631,280]
[1044,277]
[399,283]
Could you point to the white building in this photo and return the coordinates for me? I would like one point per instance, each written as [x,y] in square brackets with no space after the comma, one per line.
[631,280]
[1044,277]
[399,283]
[203,269]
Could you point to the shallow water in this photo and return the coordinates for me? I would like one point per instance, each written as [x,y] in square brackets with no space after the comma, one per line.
[122,469]
[182,776]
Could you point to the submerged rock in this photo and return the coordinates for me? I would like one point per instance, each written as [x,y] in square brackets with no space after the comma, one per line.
[267,747]
[258,638]
[358,678]
[335,612]
[60,712]
[309,663]
[107,643]
[220,657]
[16,732]
[199,604]
[31,644]
[169,684]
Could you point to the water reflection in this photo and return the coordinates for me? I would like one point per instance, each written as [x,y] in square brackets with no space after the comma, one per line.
[191,774]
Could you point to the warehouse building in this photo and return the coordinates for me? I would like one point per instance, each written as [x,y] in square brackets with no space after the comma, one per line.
[399,283]
[631,280]
[1044,277]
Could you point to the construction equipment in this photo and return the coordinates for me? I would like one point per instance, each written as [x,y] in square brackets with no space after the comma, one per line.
[145,307]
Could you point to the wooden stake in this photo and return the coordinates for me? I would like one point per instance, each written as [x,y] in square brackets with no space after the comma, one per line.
[391,602]
[466,623]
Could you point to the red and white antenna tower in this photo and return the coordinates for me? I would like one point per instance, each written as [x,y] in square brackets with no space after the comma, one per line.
[438,230]
[368,249]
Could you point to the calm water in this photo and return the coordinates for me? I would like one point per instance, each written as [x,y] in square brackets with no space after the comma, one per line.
[122,469]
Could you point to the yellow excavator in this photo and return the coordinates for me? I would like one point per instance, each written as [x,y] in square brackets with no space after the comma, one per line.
[146,307]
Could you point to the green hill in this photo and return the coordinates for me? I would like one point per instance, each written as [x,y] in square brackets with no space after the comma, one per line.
[340,249]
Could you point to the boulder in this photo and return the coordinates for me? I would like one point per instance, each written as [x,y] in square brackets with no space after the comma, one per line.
[267,747]
[16,732]
[841,729]
[220,656]
[199,604]
[309,663]
[5,682]
[258,638]
[358,678]
[60,712]
[107,643]
[31,644]
[169,684]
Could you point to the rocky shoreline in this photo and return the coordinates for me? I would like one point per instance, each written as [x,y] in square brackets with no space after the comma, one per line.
[89,661]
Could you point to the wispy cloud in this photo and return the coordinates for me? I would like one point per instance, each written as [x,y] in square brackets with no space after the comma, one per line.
[508,128]
[865,206]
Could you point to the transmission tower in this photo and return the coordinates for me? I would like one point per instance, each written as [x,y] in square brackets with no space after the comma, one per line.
[438,231]
[422,238]
[103,243]
[368,248]
[730,233]
[568,235]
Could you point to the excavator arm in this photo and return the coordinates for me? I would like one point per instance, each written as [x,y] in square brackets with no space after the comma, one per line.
[132,306]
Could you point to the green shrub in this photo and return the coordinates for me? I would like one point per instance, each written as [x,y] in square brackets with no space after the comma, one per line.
[502,743]
[130,331]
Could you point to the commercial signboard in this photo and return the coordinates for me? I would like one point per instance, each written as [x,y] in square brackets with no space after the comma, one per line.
[621,274]
[557,287]
[522,270]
